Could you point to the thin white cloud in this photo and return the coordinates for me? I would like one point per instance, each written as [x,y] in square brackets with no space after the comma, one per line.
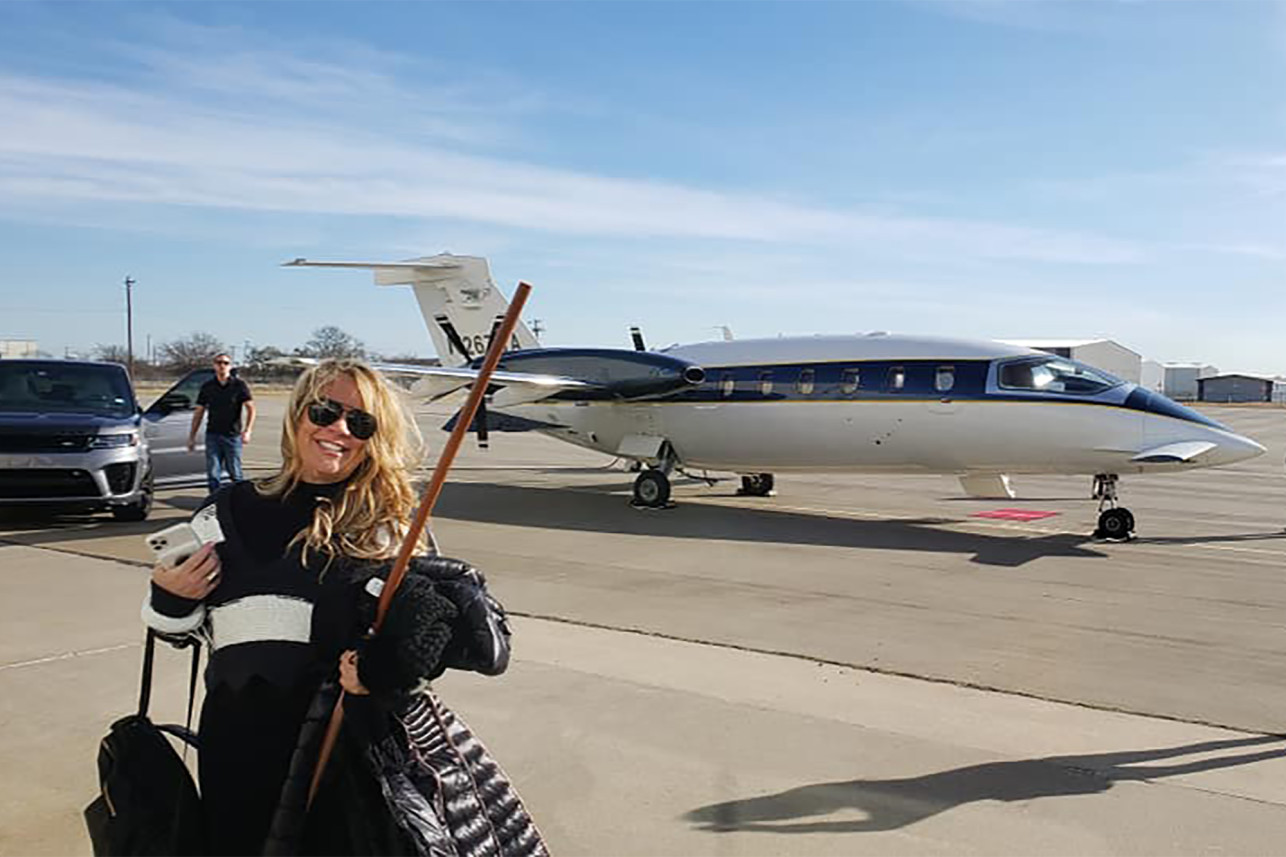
[80,140]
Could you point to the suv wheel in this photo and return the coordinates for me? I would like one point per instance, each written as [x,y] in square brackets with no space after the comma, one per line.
[140,508]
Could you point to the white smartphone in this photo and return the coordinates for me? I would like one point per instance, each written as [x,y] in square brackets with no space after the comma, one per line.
[174,544]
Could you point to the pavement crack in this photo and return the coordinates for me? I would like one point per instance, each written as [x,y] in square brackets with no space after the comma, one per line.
[885,671]
[66,656]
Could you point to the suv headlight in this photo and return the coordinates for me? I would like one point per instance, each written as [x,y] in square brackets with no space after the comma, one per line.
[114,441]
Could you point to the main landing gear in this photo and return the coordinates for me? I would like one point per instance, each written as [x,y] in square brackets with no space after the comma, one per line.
[1115,523]
[757,485]
[652,486]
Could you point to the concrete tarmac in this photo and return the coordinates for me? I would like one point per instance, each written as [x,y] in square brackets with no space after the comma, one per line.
[811,673]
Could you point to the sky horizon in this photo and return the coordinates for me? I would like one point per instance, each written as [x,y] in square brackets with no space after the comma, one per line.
[1030,169]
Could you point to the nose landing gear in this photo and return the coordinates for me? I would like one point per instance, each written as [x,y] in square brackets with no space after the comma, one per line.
[1115,523]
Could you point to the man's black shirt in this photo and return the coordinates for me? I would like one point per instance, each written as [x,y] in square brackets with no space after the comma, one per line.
[223,404]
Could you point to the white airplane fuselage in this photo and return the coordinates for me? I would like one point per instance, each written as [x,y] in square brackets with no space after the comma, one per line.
[754,413]
[876,403]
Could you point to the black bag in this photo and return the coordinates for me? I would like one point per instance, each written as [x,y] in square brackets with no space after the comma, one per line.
[148,804]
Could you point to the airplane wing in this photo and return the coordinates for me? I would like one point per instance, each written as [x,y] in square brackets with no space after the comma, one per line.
[516,388]
[434,382]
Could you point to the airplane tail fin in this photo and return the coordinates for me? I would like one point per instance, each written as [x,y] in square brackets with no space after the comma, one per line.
[458,299]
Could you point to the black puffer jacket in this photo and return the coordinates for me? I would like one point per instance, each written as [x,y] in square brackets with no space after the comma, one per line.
[441,617]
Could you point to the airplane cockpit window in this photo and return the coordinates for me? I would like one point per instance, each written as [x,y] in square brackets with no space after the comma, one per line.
[765,383]
[807,380]
[1055,375]
[850,380]
[727,384]
[897,378]
[944,378]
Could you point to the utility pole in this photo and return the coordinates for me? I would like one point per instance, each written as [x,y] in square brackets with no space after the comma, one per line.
[537,328]
[129,324]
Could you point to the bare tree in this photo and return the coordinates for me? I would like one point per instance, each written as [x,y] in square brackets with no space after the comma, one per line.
[331,342]
[195,351]
[259,358]
[111,354]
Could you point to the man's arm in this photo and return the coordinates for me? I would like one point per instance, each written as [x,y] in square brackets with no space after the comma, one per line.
[250,420]
[196,424]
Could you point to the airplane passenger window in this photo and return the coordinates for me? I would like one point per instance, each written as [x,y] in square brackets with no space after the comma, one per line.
[850,381]
[944,379]
[1055,375]
[897,378]
[806,382]
[765,383]
[727,384]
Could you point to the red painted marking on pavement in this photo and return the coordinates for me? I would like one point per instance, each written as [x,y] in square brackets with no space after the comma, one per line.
[1015,514]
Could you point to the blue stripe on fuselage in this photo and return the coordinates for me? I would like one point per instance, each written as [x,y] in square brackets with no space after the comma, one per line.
[970,383]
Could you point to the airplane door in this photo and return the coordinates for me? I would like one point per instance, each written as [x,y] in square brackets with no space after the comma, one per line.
[166,424]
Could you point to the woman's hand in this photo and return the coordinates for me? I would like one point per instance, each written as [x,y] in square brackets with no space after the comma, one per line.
[194,578]
[348,674]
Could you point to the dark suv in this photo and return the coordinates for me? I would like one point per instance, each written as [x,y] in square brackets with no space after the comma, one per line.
[72,435]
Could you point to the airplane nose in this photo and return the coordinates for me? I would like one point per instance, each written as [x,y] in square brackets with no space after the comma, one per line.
[1234,447]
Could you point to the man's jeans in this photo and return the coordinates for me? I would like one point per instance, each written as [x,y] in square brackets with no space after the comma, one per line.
[222,452]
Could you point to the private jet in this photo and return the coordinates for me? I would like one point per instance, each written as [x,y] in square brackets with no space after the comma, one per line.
[874,403]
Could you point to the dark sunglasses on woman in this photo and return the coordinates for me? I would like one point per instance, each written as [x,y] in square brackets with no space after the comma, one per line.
[361,425]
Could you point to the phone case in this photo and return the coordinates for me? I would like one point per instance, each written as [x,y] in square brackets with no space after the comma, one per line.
[174,544]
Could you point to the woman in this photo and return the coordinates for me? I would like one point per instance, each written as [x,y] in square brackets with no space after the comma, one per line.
[284,601]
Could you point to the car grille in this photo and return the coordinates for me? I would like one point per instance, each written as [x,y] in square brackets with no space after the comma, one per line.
[41,483]
[120,476]
[48,442]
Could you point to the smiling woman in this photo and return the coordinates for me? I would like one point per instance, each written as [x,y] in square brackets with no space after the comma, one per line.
[287,599]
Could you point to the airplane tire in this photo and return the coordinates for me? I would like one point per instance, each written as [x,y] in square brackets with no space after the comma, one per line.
[652,489]
[1116,524]
[757,485]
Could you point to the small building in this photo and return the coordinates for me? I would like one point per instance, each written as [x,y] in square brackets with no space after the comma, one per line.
[1237,387]
[1105,354]
[1181,379]
[13,349]
[1152,376]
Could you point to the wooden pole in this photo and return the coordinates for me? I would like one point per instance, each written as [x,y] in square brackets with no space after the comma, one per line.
[463,421]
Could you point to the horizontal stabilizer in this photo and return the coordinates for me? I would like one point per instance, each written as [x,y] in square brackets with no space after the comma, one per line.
[1174,452]
[458,299]
[987,485]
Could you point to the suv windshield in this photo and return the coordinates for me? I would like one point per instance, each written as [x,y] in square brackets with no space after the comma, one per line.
[65,388]
[1055,375]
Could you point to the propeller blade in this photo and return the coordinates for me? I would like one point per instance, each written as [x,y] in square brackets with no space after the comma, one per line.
[480,423]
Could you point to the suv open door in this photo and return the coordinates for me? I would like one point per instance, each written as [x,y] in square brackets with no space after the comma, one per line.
[167,423]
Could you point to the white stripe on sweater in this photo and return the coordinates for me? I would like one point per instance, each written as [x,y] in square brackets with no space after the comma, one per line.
[261,618]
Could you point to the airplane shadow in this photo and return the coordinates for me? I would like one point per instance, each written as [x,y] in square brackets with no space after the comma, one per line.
[1275,535]
[895,803]
[589,511]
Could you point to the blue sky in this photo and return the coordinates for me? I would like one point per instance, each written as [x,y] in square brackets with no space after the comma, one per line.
[1018,169]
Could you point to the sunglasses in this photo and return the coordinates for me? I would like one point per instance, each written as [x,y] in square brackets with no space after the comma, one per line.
[361,425]
[223,363]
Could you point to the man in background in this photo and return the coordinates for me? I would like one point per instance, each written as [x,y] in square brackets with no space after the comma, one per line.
[223,397]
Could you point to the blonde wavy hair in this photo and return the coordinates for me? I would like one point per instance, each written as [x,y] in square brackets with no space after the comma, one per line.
[369,519]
